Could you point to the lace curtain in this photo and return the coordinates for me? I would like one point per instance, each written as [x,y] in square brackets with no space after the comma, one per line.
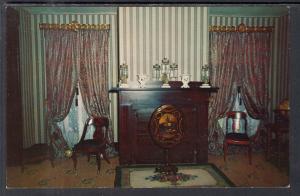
[252,124]
[72,125]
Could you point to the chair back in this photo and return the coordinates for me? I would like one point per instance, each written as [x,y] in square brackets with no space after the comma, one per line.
[98,122]
[236,122]
[282,116]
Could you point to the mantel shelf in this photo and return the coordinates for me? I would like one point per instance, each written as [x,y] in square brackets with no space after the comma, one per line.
[116,89]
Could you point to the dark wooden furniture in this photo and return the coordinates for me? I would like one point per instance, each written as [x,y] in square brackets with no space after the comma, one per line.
[236,134]
[14,119]
[135,107]
[277,144]
[37,153]
[95,146]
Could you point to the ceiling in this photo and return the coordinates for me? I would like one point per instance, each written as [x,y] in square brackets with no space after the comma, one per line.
[228,10]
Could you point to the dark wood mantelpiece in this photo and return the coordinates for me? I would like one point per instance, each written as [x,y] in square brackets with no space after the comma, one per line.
[212,89]
[135,107]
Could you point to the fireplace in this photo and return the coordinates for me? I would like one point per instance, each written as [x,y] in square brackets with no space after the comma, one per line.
[135,108]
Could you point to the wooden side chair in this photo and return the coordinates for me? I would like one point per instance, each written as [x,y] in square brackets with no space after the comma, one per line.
[42,151]
[277,144]
[37,153]
[236,134]
[96,146]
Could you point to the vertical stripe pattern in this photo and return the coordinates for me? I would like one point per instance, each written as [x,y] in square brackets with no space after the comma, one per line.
[148,34]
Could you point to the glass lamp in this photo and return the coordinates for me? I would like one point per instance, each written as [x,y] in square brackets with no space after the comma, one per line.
[156,72]
[165,73]
[123,75]
[205,76]
[173,72]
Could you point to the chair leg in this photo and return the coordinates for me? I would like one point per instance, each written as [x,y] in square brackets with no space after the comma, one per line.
[51,155]
[74,158]
[279,145]
[268,143]
[225,150]
[105,156]
[250,154]
[98,163]
[51,159]
[22,165]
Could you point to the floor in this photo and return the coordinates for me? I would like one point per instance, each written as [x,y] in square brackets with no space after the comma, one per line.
[260,174]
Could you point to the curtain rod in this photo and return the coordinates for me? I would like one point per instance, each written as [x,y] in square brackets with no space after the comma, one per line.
[242,28]
[75,26]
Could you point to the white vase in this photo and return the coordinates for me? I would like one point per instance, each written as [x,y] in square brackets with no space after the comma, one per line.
[142,79]
[185,79]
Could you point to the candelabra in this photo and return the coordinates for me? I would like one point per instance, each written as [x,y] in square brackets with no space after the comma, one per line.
[165,72]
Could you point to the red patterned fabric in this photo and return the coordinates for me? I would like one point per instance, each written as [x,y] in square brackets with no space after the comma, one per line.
[238,59]
[60,75]
[71,56]
[253,73]
[93,72]
[223,59]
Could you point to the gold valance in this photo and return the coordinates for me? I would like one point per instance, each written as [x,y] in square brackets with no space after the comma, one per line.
[242,28]
[74,26]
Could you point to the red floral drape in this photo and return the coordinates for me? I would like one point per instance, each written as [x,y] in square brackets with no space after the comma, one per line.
[223,59]
[237,59]
[254,71]
[93,72]
[61,79]
[71,56]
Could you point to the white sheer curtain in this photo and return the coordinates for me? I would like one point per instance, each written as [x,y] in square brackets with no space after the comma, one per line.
[252,124]
[72,125]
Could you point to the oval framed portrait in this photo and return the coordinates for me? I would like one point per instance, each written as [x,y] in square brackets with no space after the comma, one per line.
[166,126]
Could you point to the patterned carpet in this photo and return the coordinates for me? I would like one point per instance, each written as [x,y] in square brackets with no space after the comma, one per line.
[196,175]
[42,175]
[261,173]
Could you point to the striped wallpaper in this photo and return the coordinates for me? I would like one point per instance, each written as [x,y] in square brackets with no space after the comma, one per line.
[279,72]
[140,37]
[29,83]
[148,34]
[33,68]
